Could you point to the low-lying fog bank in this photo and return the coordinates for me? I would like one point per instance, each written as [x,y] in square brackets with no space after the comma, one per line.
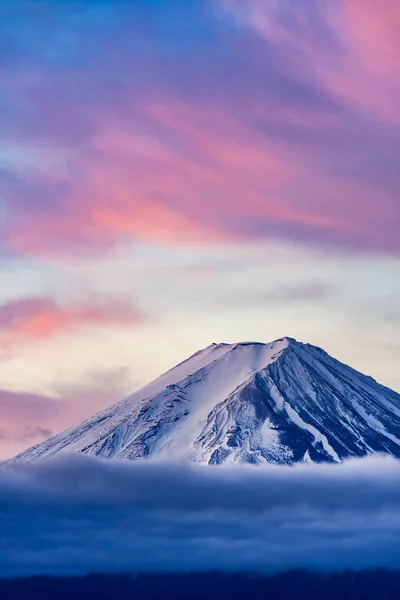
[77,515]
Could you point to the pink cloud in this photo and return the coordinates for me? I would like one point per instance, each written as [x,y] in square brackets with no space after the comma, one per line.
[287,137]
[369,75]
[156,192]
[363,69]
[34,319]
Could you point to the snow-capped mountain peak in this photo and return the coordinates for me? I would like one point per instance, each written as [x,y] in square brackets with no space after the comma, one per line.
[281,402]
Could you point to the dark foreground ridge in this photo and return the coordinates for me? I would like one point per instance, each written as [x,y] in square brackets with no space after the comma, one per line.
[372,585]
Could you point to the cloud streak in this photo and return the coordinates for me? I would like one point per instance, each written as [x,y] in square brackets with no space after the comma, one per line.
[77,515]
[34,319]
[276,123]
[27,435]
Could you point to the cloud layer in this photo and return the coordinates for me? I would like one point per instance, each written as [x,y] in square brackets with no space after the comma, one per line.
[77,515]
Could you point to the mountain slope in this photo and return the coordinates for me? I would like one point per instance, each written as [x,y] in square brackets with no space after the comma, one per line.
[282,402]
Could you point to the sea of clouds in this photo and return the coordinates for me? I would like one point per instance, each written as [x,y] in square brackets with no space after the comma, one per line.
[75,515]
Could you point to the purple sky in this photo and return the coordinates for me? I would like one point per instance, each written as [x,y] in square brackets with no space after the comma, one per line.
[177,173]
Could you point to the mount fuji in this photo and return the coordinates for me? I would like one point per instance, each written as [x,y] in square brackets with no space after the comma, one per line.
[283,402]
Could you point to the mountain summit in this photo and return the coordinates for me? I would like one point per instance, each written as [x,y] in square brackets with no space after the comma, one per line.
[283,402]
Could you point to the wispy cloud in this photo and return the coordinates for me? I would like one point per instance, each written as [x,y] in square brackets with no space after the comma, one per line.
[32,319]
[280,122]
[26,434]
[28,418]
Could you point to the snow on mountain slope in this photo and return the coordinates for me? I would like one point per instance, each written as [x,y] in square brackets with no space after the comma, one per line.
[282,402]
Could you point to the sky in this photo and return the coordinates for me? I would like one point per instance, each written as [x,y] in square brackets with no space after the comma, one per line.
[178,173]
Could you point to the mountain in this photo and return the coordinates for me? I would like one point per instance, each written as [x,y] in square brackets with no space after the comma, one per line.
[282,402]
